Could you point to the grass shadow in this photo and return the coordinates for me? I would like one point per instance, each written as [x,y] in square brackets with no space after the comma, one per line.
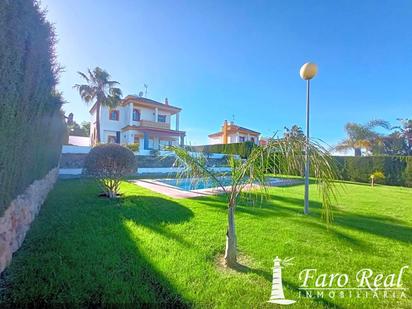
[155,213]
[79,251]
[383,226]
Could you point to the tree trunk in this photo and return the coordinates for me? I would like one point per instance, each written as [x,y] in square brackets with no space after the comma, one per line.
[358,152]
[231,242]
[112,194]
[97,122]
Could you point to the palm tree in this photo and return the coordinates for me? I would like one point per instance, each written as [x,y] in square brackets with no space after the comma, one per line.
[406,132]
[250,174]
[362,136]
[294,131]
[100,90]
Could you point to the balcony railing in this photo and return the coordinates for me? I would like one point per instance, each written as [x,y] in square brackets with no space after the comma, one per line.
[153,124]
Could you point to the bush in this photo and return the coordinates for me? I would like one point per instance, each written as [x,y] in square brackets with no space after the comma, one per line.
[31,124]
[376,177]
[408,172]
[360,168]
[241,149]
[133,147]
[109,164]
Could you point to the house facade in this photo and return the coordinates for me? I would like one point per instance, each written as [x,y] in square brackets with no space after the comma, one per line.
[138,120]
[232,133]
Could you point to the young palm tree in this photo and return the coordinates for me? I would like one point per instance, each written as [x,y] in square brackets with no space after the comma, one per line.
[250,174]
[362,136]
[100,90]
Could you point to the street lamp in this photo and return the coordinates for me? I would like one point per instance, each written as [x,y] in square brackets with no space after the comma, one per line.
[307,72]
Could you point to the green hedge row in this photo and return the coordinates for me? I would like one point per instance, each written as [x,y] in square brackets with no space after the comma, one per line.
[31,123]
[242,149]
[397,169]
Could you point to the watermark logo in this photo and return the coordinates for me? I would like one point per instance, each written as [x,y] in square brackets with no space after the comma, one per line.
[365,283]
[277,296]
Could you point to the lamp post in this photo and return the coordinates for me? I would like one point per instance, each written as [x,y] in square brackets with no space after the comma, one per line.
[307,72]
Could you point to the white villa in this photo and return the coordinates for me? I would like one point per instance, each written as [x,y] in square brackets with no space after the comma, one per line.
[232,133]
[138,120]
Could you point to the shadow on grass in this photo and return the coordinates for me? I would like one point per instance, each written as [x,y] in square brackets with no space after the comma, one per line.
[155,213]
[383,226]
[281,206]
[79,251]
[266,208]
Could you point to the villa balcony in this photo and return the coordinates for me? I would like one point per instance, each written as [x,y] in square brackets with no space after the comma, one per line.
[153,124]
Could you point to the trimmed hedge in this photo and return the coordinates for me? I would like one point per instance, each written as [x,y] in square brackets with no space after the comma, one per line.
[397,170]
[31,123]
[242,149]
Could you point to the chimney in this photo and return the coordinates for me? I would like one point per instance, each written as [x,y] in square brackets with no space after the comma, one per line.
[225,132]
[166,101]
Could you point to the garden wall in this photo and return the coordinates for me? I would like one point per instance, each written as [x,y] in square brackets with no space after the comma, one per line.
[21,212]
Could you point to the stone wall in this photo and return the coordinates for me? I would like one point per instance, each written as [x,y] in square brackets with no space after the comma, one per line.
[17,218]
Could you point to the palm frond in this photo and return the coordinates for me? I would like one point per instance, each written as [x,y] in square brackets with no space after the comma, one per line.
[194,166]
[344,145]
[290,157]
[378,123]
[86,92]
[84,76]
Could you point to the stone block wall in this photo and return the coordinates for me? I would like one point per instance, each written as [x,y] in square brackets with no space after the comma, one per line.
[18,217]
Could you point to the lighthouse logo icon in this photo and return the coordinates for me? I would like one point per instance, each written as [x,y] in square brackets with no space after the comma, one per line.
[277,296]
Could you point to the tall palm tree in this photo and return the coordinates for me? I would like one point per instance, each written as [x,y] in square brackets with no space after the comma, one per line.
[248,175]
[362,136]
[406,132]
[100,90]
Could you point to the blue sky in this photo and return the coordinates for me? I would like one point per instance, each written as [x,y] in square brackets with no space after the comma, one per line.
[216,59]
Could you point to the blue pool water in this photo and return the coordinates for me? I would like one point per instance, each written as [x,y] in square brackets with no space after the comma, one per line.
[189,184]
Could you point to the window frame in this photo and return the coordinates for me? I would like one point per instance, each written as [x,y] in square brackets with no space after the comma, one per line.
[165,118]
[116,112]
[137,111]
[111,137]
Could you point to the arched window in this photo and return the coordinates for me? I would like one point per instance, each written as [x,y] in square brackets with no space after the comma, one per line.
[136,115]
[114,114]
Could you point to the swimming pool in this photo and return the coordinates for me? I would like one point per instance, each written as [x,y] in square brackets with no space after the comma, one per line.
[189,184]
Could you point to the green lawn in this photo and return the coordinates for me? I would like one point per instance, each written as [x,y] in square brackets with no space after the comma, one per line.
[148,248]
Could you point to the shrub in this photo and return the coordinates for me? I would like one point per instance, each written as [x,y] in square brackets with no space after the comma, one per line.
[360,168]
[109,164]
[376,177]
[408,172]
[133,147]
[241,149]
[31,123]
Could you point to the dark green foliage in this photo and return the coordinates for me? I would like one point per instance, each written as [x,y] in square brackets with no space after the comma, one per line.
[31,124]
[242,149]
[109,163]
[408,172]
[359,169]
[110,159]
